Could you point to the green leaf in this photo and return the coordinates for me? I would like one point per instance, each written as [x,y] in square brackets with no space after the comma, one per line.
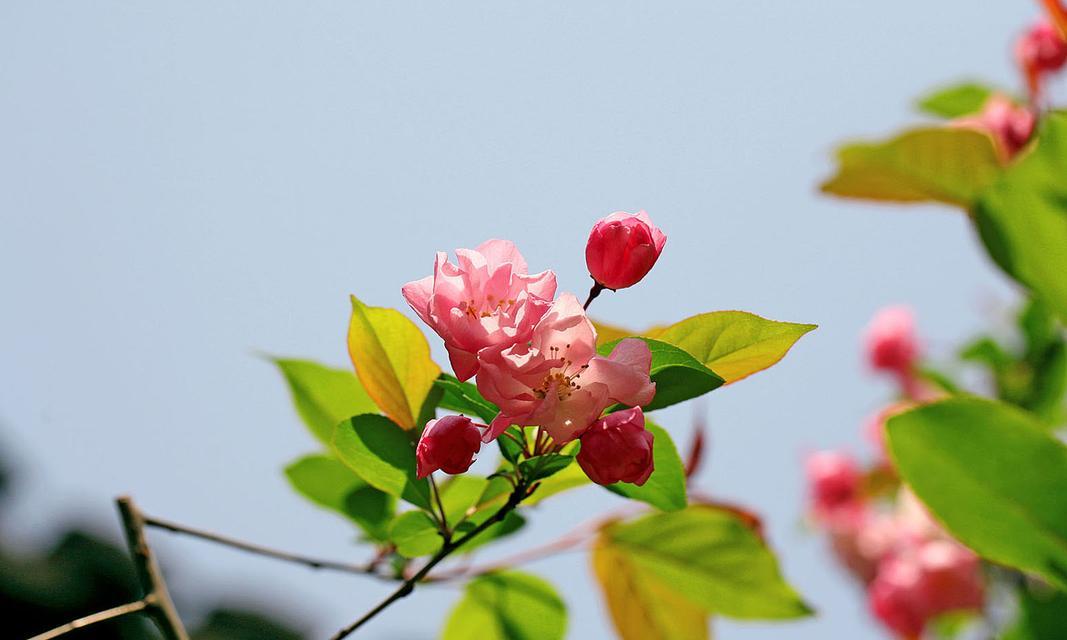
[511,523]
[641,606]
[957,100]
[539,467]
[717,561]
[1042,615]
[392,360]
[665,488]
[508,605]
[380,453]
[329,483]
[1022,219]
[985,350]
[460,495]
[992,476]
[945,164]
[509,448]
[678,375]
[733,344]
[415,535]
[464,397]
[323,396]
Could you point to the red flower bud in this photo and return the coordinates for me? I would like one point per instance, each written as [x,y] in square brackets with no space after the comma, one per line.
[617,448]
[622,248]
[448,444]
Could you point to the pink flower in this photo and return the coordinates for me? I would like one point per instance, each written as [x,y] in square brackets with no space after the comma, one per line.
[1039,52]
[891,341]
[1009,125]
[449,444]
[618,448]
[622,248]
[556,381]
[919,583]
[834,485]
[486,299]
[897,597]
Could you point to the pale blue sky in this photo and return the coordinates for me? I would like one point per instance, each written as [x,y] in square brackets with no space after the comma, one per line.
[182,185]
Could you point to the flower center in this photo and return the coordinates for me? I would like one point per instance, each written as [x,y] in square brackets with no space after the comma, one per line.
[564,383]
[489,307]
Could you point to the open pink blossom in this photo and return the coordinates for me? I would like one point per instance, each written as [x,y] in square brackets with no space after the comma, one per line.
[618,448]
[1009,125]
[623,248]
[448,444]
[1040,51]
[556,381]
[834,481]
[486,299]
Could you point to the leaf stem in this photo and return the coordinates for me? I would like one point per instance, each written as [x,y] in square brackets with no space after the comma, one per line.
[446,533]
[518,495]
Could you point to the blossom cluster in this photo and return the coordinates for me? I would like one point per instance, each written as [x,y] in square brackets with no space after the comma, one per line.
[912,570]
[1040,53]
[533,354]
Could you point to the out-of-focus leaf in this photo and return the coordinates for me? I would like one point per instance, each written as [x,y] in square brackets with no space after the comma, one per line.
[381,454]
[511,523]
[665,488]
[1039,327]
[733,344]
[508,605]
[415,535]
[323,396]
[328,483]
[1022,218]
[392,360]
[464,397]
[1042,615]
[716,560]
[678,375]
[543,466]
[957,100]
[642,606]
[985,350]
[945,164]
[989,473]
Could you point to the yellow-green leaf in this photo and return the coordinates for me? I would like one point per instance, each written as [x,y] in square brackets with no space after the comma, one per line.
[642,606]
[944,164]
[606,333]
[392,360]
[733,344]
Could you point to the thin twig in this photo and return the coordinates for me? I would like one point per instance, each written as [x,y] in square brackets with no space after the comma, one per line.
[159,605]
[110,614]
[449,546]
[369,568]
